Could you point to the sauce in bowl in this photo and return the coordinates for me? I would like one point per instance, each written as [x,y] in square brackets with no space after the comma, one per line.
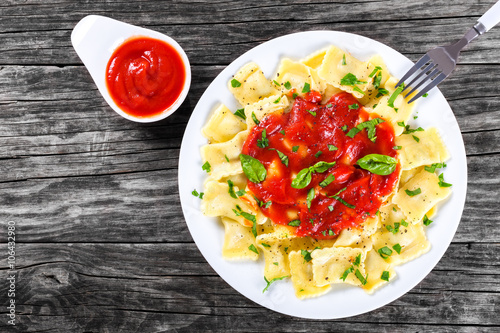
[145,76]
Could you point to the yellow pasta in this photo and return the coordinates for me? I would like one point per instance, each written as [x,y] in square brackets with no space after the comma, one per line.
[302,276]
[363,256]
[237,241]
[222,126]
[427,191]
[427,149]
[338,63]
[250,85]
[224,157]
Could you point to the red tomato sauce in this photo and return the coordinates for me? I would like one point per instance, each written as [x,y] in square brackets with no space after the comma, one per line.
[145,76]
[312,134]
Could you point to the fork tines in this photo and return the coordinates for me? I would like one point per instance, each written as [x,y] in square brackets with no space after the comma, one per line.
[424,71]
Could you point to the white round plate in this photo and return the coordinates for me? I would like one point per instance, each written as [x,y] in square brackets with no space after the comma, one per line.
[247,276]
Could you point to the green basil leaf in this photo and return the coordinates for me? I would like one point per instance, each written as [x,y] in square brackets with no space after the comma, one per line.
[302,179]
[288,85]
[385,276]
[283,157]
[310,197]
[328,180]
[253,169]
[321,166]
[378,164]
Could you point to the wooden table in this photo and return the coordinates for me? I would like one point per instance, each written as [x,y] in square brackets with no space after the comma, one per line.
[101,242]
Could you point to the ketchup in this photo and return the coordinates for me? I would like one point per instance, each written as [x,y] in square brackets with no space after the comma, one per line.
[312,132]
[145,76]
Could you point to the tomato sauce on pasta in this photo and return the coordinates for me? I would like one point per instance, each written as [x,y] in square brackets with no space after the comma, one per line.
[312,138]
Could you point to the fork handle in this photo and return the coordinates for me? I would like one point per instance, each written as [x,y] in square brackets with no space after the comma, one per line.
[491,17]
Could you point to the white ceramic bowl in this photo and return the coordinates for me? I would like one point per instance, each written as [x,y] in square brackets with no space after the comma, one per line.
[95,38]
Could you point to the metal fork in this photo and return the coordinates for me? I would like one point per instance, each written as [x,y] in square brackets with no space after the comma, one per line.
[437,64]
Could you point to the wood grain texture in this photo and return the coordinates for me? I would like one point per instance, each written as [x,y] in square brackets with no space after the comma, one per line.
[102,245]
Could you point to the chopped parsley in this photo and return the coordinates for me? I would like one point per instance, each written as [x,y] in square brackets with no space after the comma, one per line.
[370,128]
[312,112]
[265,245]
[344,128]
[360,277]
[231,189]
[295,148]
[206,167]
[264,142]
[310,197]
[282,132]
[253,248]
[416,138]
[343,60]
[350,80]
[395,95]
[385,252]
[357,261]
[277,100]
[385,276]
[408,130]
[288,85]
[227,158]
[327,181]
[241,113]
[283,157]
[307,88]
[198,195]
[339,199]
[434,166]
[375,70]
[235,83]
[270,282]
[332,148]
[382,92]
[427,220]
[414,192]
[347,272]
[254,118]
[441,182]
[318,154]
[353,106]
[397,147]
[397,248]
[294,223]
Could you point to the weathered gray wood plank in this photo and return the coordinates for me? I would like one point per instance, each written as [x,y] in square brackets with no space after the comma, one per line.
[102,243]
[144,286]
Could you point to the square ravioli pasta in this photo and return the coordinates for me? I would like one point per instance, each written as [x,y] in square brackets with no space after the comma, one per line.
[319,174]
